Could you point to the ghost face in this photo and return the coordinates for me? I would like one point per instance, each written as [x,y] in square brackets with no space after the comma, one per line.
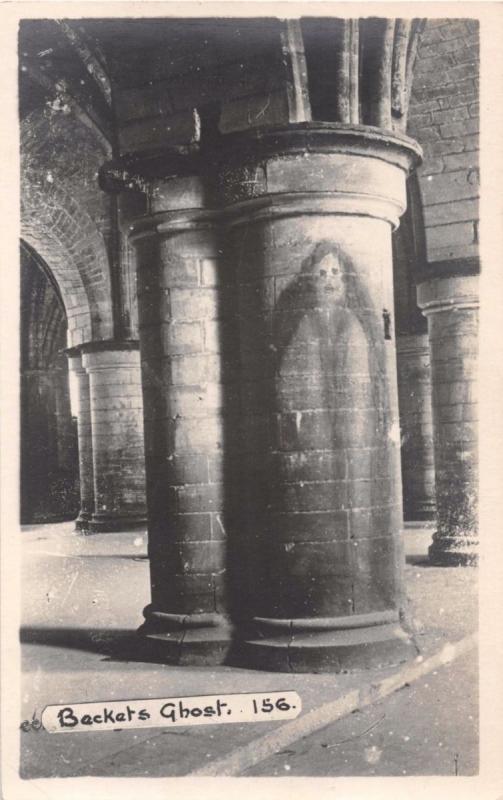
[330,279]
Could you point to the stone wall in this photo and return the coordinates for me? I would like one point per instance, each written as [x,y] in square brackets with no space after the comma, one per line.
[444,118]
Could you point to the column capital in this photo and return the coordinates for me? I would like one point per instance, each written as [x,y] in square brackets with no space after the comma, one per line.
[176,203]
[107,345]
[331,137]
[98,360]
[134,172]
[448,293]
[314,168]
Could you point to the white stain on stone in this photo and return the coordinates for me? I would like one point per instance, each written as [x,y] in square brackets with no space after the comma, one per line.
[447,653]
[372,754]
[218,521]
[394,433]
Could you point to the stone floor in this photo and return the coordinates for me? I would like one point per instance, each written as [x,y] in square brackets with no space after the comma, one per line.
[82,600]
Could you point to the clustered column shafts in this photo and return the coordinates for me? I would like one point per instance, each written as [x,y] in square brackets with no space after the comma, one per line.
[373,75]
[347,79]
[307,560]
[275,287]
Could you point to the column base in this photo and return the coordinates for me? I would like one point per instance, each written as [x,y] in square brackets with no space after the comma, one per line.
[326,645]
[186,639]
[420,512]
[115,524]
[453,551]
[82,521]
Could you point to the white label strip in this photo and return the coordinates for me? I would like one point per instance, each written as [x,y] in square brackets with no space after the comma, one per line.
[170,712]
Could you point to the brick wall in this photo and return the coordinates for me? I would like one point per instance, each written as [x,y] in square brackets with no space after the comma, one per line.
[64,215]
[444,118]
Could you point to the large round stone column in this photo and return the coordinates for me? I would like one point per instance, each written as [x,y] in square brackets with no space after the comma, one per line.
[117,435]
[183,334]
[309,211]
[85,443]
[451,306]
[416,425]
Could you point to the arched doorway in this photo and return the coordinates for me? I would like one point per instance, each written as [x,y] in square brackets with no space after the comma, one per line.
[49,456]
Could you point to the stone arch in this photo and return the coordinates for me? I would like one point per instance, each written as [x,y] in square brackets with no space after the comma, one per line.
[48,435]
[64,216]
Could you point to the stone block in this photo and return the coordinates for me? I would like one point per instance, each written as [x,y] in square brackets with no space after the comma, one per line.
[314,597]
[306,559]
[196,401]
[450,240]
[448,187]
[445,213]
[182,594]
[192,499]
[308,466]
[179,269]
[454,130]
[180,338]
[193,370]
[187,469]
[147,101]
[199,435]
[192,558]
[315,430]
[458,161]
[178,194]
[160,131]
[375,522]
[179,528]
[270,108]
[291,526]
[194,304]
[321,496]
[210,271]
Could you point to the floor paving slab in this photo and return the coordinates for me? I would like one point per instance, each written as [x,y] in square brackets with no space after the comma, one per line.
[82,602]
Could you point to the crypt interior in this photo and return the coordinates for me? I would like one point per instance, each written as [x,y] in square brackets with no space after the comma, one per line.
[249,298]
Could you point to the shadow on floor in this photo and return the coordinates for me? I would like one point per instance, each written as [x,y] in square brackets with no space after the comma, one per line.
[418,560]
[115,645]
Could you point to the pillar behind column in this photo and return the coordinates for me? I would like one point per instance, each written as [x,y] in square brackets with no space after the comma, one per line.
[117,435]
[451,306]
[65,432]
[181,299]
[416,425]
[310,212]
[85,444]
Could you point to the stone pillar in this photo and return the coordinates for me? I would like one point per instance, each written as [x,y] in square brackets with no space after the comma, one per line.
[416,426]
[451,306]
[181,297]
[85,443]
[117,435]
[309,212]
[64,426]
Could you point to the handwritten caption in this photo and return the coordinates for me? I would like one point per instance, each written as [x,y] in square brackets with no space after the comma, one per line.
[171,712]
